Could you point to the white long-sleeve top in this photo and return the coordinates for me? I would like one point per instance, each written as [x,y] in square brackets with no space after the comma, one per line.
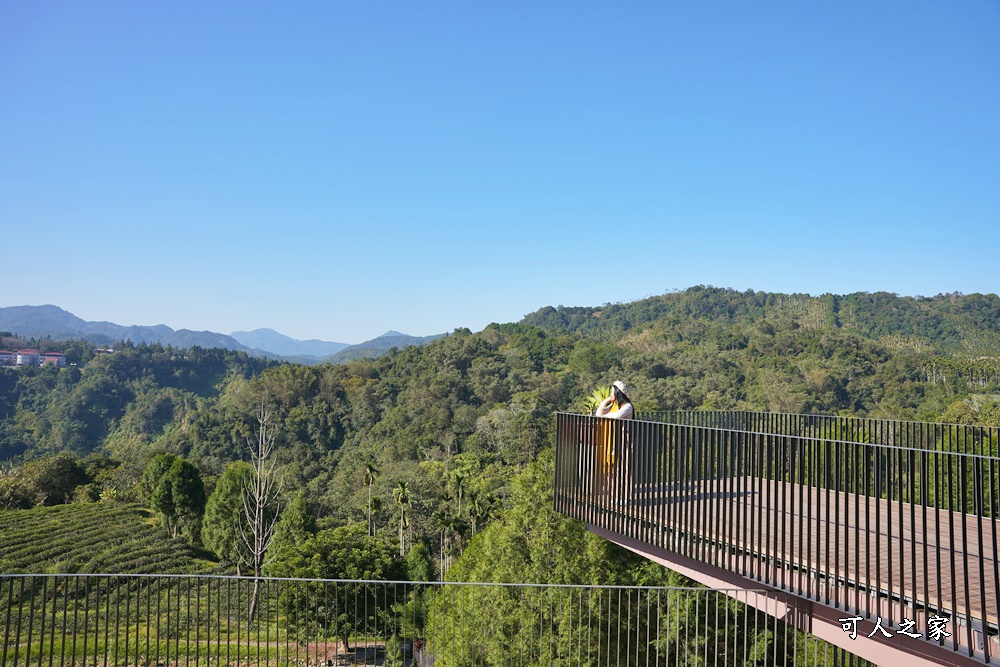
[613,411]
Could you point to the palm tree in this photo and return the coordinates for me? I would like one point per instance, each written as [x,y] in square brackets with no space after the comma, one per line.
[375,509]
[591,402]
[445,497]
[443,521]
[455,528]
[478,507]
[459,491]
[401,494]
[371,473]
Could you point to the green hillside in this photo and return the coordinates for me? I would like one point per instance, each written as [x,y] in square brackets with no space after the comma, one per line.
[458,418]
[91,538]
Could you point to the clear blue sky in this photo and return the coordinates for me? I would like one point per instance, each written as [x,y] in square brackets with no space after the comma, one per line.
[335,169]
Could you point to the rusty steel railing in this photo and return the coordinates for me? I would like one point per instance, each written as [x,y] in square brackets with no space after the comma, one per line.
[103,620]
[899,535]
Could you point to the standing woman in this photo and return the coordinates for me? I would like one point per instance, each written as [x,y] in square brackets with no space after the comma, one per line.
[612,437]
[617,405]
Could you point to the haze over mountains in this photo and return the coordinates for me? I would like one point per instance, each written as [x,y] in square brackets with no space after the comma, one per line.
[58,324]
[277,343]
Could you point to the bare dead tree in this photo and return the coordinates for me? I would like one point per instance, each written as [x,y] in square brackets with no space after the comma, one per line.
[260,503]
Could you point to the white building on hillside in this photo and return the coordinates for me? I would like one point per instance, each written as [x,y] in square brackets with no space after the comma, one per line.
[27,357]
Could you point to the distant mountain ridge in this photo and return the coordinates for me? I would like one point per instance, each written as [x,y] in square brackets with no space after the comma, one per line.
[58,324]
[376,347]
[271,341]
[52,321]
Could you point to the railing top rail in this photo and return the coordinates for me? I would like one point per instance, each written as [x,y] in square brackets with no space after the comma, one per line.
[819,416]
[221,577]
[809,438]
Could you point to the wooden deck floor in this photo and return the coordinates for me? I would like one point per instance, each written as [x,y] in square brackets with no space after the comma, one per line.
[886,558]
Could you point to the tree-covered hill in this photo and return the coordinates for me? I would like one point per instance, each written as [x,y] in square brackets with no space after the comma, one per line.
[946,322]
[45,410]
[456,418]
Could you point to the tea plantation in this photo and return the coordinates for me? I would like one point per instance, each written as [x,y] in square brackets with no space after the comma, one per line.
[91,538]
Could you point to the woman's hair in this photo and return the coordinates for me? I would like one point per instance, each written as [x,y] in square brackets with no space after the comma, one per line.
[620,398]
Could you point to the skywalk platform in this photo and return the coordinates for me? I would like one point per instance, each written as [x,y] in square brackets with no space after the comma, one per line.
[898,538]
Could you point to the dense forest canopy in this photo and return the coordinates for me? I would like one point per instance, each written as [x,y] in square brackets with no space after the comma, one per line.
[457,419]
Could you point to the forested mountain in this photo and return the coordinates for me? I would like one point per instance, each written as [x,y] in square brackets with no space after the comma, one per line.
[456,419]
[56,323]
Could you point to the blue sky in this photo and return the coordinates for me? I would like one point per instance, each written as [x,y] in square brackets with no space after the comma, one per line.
[336,169]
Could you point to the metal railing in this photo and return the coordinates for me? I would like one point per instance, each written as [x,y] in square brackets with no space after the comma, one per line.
[963,438]
[887,533]
[104,620]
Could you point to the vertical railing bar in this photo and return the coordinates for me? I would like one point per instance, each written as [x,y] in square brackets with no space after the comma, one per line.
[10,608]
[701,503]
[993,535]
[963,491]
[826,484]
[107,615]
[292,596]
[759,538]
[650,504]
[41,645]
[745,626]
[952,494]
[925,502]
[890,484]
[76,608]
[739,500]
[41,627]
[880,487]
[658,488]
[140,585]
[197,621]
[952,501]
[914,586]
[782,446]
[186,585]
[20,616]
[230,584]
[676,506]
[608,627]
[52,625]
[254,635]
[871,483]
[980,515]
[939,485]
[836,491]
[118,605]
[693,529]
[723,512]
[128,613]
[802,550]
[177,634]
[590,621]
[159,595]
[771,541]
[756,501]
[812,491]
[683,475]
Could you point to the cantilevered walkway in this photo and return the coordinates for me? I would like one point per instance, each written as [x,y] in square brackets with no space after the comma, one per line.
[879,536]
